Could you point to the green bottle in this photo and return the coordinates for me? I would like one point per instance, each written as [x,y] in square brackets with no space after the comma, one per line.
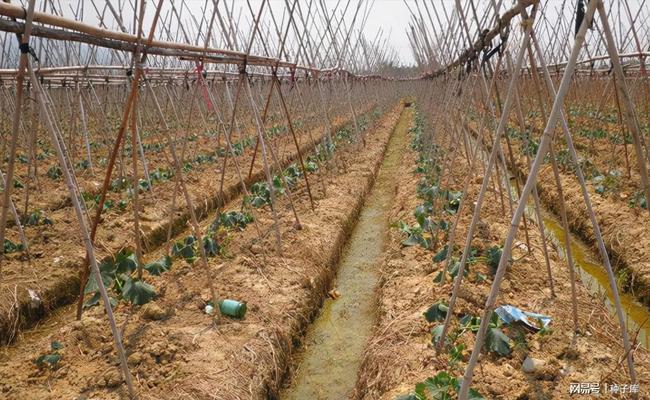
[232,308]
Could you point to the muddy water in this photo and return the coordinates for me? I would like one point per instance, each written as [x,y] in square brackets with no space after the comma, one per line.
[592,274]
[594,277]
[591,271]
[332,353]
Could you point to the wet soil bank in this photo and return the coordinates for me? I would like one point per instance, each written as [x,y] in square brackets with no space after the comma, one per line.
[594,278]
[174,351]
[327,365]
[625,230]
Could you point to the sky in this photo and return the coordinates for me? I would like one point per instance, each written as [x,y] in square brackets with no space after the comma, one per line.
[390,16]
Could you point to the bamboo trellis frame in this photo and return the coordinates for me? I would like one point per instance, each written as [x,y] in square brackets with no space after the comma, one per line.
[449,43]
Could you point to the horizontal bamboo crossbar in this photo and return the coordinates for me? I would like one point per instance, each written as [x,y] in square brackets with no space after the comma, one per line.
[483,40]
[90,35]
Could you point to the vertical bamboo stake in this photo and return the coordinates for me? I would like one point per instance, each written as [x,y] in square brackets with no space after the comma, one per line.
[624,96]
[479,201]
[84,126]
[20,78]
[543,149]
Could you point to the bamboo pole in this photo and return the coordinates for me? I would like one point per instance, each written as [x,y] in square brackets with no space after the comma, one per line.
[624,95]
[479,201]
[22,65]
[543,149]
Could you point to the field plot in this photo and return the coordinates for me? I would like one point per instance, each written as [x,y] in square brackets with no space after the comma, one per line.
[263,199]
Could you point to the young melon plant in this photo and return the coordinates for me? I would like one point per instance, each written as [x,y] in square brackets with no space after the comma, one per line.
[231,220]
[37,218]
[188,250]
[496,341]
[437,312]
[260,195]
[11,247]
[54,173]
[443,386]
[50,359]
[639,200]
[117,273]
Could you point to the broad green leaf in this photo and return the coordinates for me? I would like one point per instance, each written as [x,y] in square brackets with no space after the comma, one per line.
[413,240]
[258,202]
[107,271]
[430,389]
[421,213]
[163,264]
[190,240]
[311,166]
[441,255]
[443,378]
[436,334]
[437,312]
[125,262]
[475,395]
[453,269]
[232,219]
[497,342]
[10,247]
[56,345]
[185,250]
[493,256]
[278,184]
[33,219]
[54,172]
[137,292]
[51,359]
[210,246]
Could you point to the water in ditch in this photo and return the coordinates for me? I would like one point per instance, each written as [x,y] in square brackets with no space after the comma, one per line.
[592,273]
[328,364]
[594,277]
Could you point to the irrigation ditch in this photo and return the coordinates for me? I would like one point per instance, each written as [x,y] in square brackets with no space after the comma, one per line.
[632,283]
[283,296]
[326,366]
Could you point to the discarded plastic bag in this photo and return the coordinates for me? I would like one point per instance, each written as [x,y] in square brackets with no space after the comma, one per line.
[510,314]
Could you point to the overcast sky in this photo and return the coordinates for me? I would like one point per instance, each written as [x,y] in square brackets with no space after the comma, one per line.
[391,16]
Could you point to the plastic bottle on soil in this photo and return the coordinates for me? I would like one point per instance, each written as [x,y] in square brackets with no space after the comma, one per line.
[232,308]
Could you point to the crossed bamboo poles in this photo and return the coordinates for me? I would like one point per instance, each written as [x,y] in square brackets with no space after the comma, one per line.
[141,50]
[447,58]
[423,55]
